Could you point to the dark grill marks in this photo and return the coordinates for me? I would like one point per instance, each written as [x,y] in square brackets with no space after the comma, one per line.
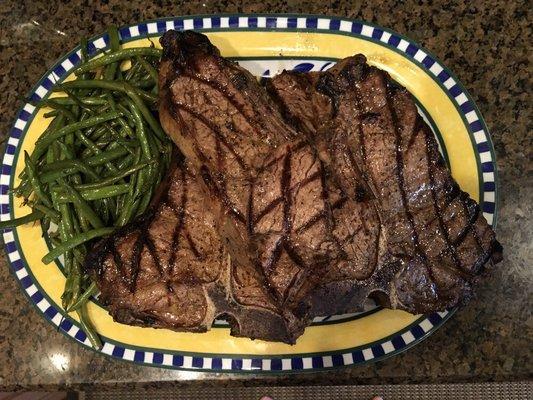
[444,231]
[239,107]
[193,248]
[353,164]
[362,142]
[442,227]
[310,179]
[178,118]
[136,261]
[326,86]
[149,243]
[401,186]
[325,199]
[215,190]
[250,208]
[295,147]
[471,219]
[118,262]
[414,134]
[318,216]
[144,240]
[218,134]
[286,193]
[274,256]
[180,214]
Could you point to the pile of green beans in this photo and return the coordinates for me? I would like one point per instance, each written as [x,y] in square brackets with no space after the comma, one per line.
[98,163]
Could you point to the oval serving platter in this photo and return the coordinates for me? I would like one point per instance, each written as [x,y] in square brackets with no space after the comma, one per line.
[264,44]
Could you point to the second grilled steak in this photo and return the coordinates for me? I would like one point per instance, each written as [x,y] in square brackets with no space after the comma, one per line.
[369,128]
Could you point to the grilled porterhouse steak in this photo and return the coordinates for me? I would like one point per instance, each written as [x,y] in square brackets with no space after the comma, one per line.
[271,223]
[169,268]
[369,128]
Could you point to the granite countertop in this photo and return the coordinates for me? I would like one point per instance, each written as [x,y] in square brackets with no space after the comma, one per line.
[485,44]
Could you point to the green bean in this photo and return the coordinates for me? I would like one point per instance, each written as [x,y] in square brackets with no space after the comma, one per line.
[119,206]
[45,224]
[51,114]
[141,132]
[119,138]
[44,141]
[84,223]
[143,83]
[124,107]
[54,125]
[83,208]
[67,101]
[96,132]
[79,222]
[77,100]
[23,189]
[83,49]
[73,282]
[12,223]
[59,169]
[49,212]
[149,68]
[87,152]
[94,148]
[104,141]
[75,241]
[113,179]
[125,127]
[77,254]
[57,106]
[126,161]
[81,300]
[120,55]
[50,155]
[53,176]
[35,182]
[114,44]
[96,160]
[94,194]
[104,157]
[66,152]
[122,87]
[145,176]
[95,163]
[133,180]
[88,328]
[135,68]
[145,201]
[66,232]
[66,297]
[66,227]
[128,211]
[105,209]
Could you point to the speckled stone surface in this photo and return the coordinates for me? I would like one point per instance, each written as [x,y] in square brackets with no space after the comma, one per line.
[484,43]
